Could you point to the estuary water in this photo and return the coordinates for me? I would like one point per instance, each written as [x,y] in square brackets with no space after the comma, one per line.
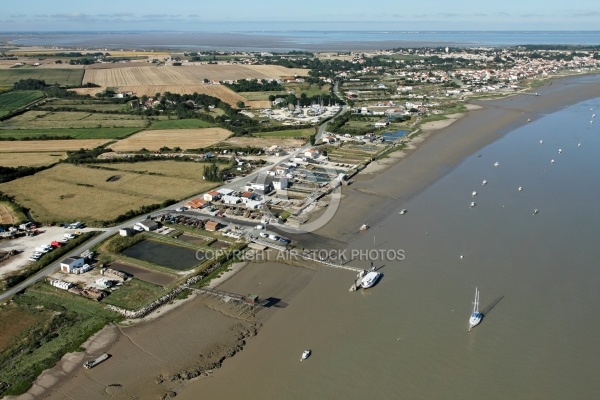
[407,337]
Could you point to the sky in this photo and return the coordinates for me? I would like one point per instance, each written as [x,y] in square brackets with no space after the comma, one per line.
[273,15]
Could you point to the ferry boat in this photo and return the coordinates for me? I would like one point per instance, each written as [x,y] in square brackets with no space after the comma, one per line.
[370,279]
[96,361]
[476,316]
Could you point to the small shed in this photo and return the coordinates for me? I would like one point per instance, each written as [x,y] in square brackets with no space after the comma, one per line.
[212,226]
[126,232]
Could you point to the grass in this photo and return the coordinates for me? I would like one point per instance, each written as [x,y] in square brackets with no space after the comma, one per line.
[63,321]
[287,133]
[74,133]
[85,105]
[65,77]
[12,101]
[6,207]
[134,294]
[70,192]
[42,119]
[181,124]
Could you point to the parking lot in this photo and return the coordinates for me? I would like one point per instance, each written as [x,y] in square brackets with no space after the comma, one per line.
[26,246]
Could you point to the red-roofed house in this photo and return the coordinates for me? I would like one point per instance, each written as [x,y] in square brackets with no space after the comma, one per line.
[213,195]
[197,203]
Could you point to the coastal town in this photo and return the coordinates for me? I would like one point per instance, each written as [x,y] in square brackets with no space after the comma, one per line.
[177,170]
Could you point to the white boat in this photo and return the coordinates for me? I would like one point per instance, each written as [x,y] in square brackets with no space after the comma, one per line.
[472,204]
[305,355]
[474,194]
[403,211]
[496,164]
[370,279]
[364,227]
[484,182]
[476,316]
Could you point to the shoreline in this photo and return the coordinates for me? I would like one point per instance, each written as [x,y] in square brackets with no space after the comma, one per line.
[377,192]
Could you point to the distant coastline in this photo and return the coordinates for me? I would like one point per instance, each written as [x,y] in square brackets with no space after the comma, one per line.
[299,40]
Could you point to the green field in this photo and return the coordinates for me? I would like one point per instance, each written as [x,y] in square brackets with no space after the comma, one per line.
[12,101]
[134,294]
[75,133]
[287,133]
[85,105]
[181,124]
[65,77]
[295,88]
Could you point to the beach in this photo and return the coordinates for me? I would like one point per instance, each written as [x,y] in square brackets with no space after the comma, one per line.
[173,353]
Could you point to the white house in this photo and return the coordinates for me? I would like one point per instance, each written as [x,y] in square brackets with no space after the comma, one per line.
[311,153]
[280,183]
[213,195]
[68,264]
[225,191]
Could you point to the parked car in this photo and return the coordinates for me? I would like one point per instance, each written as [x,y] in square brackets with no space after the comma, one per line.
[273,237]
[284,241]
[263,234]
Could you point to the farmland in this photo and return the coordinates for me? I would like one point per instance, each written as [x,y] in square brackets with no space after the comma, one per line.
[185,75]
[7,216]
[29,159]
[288,133]
[12,101]
[62,76]
[153,140]
[261,142]
[70,120]
[150,79]
[84,105]
[69,192]
[50,146]
[181,124]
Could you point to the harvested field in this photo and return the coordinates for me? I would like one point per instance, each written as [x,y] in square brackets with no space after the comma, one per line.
[185,75]
[29,159]
[258,104]
[260,142]
[70,192]
[153,140]
[30,146]
[6,216]
[222,92]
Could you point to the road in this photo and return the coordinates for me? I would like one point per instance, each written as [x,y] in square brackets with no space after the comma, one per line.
[235,184]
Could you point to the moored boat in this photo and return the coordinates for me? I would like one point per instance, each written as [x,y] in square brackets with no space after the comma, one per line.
[305,355]
[370,279]
[476,316]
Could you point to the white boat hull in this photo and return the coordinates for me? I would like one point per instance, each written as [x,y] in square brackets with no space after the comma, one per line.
[370,279]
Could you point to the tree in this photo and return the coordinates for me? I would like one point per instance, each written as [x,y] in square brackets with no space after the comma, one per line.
[240,104]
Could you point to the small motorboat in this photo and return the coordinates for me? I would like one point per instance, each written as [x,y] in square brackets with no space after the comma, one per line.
[520,188]
[496,164]
[403,211]
[541,141]
[305,355]
[484,182]
[364,227]
[472,204]
[474,194]
[536,211]
[560,150]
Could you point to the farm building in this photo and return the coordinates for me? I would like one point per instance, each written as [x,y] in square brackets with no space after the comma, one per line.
[148,225]
[68,264]
[212,226]
[61,284]
[197,203]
